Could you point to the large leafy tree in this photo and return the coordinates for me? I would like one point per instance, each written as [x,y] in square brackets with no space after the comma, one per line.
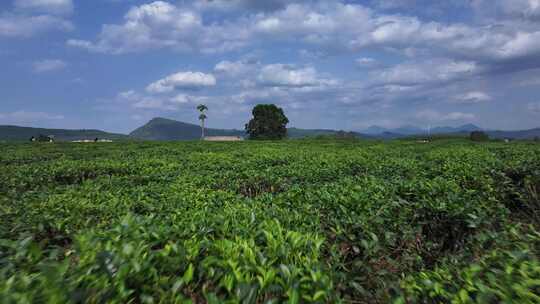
[479,136]
[268,122]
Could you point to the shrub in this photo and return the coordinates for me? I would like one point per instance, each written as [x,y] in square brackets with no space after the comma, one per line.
[479,136]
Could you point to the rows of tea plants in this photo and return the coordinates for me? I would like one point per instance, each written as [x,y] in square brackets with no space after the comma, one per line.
[270,222]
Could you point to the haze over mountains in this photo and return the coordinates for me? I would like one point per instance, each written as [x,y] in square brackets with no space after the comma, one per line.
[414,130]
[163,129]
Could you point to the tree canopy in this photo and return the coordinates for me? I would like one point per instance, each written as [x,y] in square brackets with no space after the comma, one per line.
[268,123]
[479,136]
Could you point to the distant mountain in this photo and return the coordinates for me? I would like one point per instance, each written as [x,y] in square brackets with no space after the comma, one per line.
[16,133]
[408,130]
[446,130]
[385,132]
[413,130]
[375,130]
[303,133]
[168,129]
[523,134]
[462,131]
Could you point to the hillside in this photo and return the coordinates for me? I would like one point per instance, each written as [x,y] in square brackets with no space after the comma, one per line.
[16,133]
[303,133]
[523,134]
[461,131]
[167,129]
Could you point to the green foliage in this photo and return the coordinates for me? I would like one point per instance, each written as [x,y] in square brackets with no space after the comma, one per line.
[268,123]
[478,136]
[321,221]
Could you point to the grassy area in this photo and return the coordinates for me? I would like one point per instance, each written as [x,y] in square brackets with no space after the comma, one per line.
[268,222]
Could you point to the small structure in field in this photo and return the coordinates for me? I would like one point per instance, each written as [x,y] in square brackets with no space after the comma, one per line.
[223,138]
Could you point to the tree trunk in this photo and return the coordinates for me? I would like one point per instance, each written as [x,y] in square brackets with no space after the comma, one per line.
[202,126]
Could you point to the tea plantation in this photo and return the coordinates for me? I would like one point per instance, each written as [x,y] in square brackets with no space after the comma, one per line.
[270,222]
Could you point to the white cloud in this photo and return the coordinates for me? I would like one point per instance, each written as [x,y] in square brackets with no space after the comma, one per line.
[49,65]
[282,75]
[231,68]
[227,5]
[182,80]
[328,25]
[27,26]
[513,9]
[187,99]
[46,6]
[473,97]
[153,102]
[433,71]
[159,25]
[435,116]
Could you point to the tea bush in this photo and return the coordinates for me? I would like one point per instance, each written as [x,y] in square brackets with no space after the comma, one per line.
[310,221]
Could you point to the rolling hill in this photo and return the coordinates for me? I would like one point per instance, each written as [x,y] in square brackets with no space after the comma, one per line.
[163,129]
[167,129]
[16,133]
[414,130]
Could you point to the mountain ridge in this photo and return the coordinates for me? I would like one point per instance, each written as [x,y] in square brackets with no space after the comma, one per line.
[415,130]
[164,129]
[21,133]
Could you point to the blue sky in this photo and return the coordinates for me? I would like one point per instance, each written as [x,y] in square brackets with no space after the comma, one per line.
[115,64]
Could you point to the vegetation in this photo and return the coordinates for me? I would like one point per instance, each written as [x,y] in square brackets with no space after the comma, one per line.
[268,123]
[251,222]
[479,136]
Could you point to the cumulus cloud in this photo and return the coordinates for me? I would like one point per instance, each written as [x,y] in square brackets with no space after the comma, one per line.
[260,5]
[510,9]
[160,25]
[329,25]
[48,65]
[182,80]
[473,97]
[165,102]
[432,71]
[282,75]
[12,25]
[419,60]
[45,6]
[233,68]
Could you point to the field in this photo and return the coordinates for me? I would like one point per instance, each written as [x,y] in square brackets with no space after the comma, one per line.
[250,222]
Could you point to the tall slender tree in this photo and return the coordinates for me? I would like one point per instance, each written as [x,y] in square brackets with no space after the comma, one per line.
[202,108]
